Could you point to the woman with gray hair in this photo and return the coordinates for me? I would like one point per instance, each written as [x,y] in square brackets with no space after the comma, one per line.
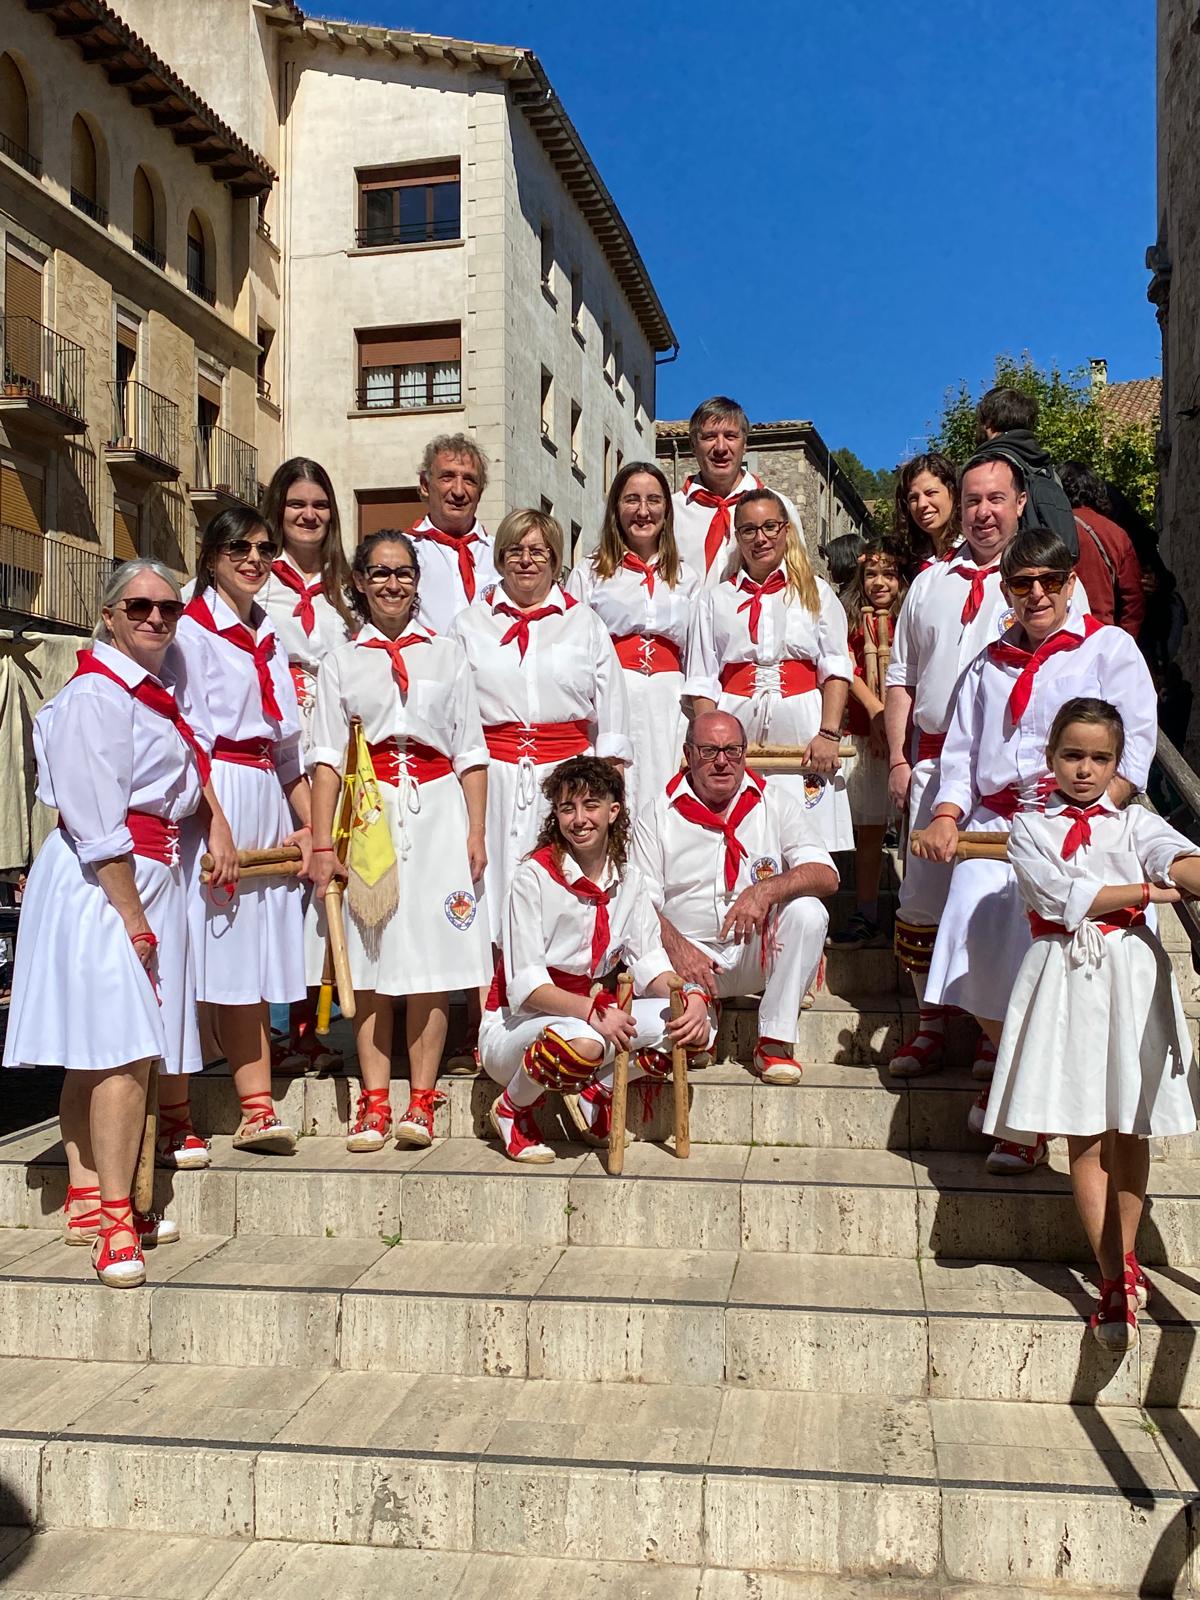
[103,982]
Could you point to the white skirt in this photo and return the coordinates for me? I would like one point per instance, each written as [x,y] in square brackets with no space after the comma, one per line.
[250,948]
[656,729]
[516,808]
[983,934]
[435,941]
[793,720]
[80,997]
[1088,1049]
[925,884]
[867,785]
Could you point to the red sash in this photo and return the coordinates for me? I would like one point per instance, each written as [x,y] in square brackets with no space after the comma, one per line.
[795,677]
[155,697]
[421,761]
[153,837]
[648,653]
[246,753]
[543,743]
[242,637]
[929,745]
[573,982]
[1126,917]
[1005,802]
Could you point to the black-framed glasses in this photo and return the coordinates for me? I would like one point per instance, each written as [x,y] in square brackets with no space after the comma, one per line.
[139,609]
[710,752]
[769,528]
[406,575]
[243,549]
[1051,582]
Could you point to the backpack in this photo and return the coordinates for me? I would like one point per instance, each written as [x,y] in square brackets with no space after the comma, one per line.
[1046,503]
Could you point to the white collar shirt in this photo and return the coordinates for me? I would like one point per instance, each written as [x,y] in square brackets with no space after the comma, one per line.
[787,631]
[304,650]
[626,605]
[442,592]
[693,520]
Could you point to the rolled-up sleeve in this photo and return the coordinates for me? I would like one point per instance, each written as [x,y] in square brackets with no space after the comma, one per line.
[833,650]
[524,940]
[703,669]
[92,793]
[611,700]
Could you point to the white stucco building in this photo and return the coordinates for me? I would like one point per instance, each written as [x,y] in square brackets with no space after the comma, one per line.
[448,259]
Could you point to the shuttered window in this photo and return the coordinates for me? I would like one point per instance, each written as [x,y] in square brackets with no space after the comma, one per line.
[388,508]
[22,499]
[409,368]
[414,204]
[126,521]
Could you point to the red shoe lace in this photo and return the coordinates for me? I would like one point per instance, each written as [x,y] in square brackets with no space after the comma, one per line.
[120,1220]
[927,1041]
[175,1127]
[87,1219]
[525,1130]
[422,1103]
[1115,1295]
[258,1110]
[373,1112]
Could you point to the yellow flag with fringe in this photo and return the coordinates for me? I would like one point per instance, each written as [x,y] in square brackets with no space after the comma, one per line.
[373,887]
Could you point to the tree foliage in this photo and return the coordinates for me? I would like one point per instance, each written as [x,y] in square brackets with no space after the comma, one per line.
[1072,425]
[872,483]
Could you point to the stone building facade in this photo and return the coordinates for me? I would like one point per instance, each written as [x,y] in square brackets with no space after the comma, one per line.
[791,457]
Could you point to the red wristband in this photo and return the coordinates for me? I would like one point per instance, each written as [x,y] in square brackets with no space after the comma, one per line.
[1145,895]
[144,938]
[320,850]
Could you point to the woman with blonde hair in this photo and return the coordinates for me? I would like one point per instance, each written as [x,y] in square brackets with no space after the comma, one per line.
[549,686]
[769,644]
[643,592]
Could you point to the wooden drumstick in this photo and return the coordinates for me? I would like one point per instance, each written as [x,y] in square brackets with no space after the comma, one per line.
[620,1088]
[974,846]
[278,855]
[884,619]
[341,847]
[261,869]
[871,654]
[337,947]
[679,1079]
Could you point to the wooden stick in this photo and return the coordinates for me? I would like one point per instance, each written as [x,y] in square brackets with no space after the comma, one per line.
[871,654]
[263,869]
[143,1183]
[337,947]
[679,1082]
[884,619]
[620,1089]
[276,856]
[341,844]
[974,846]
[772,759]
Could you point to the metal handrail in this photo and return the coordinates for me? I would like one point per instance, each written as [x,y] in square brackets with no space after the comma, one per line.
[41,576]
[89,207]
[226,463]
[18,153]
[41,363]
[1186,785]
[146,419]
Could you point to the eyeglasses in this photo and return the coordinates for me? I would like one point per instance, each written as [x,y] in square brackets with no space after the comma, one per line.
[710,752]
[634,502]
[1051,582]
[405,575]
[769,528]
[140,610]
[243,549]
[521,552]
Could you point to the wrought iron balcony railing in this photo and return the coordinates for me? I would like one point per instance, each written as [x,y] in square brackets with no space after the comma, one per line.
[41,576]
[144,420]
[226,464]
[42,364]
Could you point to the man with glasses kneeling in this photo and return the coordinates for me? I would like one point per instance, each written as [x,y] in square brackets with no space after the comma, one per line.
[737,873]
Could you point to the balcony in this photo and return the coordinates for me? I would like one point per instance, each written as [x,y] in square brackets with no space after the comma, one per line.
[226,472]
[144,442]
[19,154]
[89,207]
[41,576]
[43,378]
[198,287]
[156,258]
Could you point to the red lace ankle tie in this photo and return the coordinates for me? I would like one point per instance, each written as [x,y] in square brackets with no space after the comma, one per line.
[89,1218]
[373,1112]
[258,1110]
[117,1217]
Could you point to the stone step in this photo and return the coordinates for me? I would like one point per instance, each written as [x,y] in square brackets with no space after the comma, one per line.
[975,1492]
[951,1329]
[725,1197]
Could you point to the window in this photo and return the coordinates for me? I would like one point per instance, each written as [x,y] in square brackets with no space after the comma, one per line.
[126,531]
[124,369]
[85,173]
[607,349]
[266,337]
[607,476]
[388,508]
[15,136]
[577,301]
[547,243]
[22,497]
[23,344]
[576,546]
[637,397]
[199,263]
[618,367]
[576,433]
[620,458]
[414,204]
[547,408]
[406,369]
[145,220]
[547,506]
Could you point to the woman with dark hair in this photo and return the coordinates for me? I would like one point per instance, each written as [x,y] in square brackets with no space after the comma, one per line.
[415,695]
[643,593]
[927,514]
[249,945]
[1107,566]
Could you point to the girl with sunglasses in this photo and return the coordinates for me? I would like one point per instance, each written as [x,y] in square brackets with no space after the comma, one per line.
[104,981]
[249,943]
[993,764]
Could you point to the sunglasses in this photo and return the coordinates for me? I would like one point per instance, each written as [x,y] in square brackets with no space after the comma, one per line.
[140,610]
[1051,582]
[243,549]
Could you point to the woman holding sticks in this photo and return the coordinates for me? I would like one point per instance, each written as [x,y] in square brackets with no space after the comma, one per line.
[104,982]
[415,697]
[249,942]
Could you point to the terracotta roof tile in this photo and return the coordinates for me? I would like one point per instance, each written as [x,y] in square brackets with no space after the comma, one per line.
[1137,401]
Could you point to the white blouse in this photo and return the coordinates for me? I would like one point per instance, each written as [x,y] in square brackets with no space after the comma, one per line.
[626,606]
[101,754]
[302,649]
[787,631]
[440,708]
[218,678]
[570,671]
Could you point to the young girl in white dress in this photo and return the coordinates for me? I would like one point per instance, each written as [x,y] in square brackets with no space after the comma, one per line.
[645,595]
[1095,1043]
[415,694]
[769,644]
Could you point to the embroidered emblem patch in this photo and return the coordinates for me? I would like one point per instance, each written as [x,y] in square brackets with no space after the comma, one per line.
[764,867]
[460,909]
[1005,621]
[814,789]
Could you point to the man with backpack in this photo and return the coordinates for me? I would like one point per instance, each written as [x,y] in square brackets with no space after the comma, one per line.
[1107,564]
[1005,420]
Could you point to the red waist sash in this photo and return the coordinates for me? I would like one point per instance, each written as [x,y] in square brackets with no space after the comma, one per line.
[246,753]
[542,742]
[1005,802]
[795,677]
[1110,922]
[648,653]
[301,682]
[153,837]
[573,982]
[929,745]
[422,761]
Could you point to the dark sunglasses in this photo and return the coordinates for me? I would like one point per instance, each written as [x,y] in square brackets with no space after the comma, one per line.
[1051,582]
[240,549]
[139,610]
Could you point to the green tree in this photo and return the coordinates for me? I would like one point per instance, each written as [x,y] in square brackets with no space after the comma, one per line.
[1072,426]
[872,483]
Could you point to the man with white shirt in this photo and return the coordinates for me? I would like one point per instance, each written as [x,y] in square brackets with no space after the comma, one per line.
[453,547]
[737,874]
[719,431]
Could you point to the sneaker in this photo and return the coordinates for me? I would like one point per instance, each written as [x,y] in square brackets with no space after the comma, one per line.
[773,1068]
[924,1053]
[517,1130]
[860,933]
[591,1112]
[415,1127]
[372,1122]
[1008,1159]
[983,1068]
[978,1111]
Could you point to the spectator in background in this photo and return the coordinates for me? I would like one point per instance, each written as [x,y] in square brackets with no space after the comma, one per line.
[1107,562]
[927,514]
[1142,534]
[1165,616]
[1005,424]
[841,558]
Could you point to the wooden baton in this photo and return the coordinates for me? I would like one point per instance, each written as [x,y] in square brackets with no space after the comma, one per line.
[773,760]
[679,1081]
[261,869]
[143,1183]
[337,947]
[974,846]
[620,1088]
[280,855]
[341,845]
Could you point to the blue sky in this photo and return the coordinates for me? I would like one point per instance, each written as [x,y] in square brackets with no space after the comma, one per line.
[848,207]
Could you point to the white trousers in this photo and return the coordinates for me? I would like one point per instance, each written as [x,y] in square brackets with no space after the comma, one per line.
[796,944]
[504,1038]
[926,883]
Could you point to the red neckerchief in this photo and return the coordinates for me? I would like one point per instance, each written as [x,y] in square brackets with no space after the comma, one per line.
[1080,831]
[693,810]
[240,635]
[460,544]
[636,564]
[1031,661]
[156,698]
[719,527]
[747,585]
[977,577]
[520,628]
[395,649]
[293,580]
[582,889]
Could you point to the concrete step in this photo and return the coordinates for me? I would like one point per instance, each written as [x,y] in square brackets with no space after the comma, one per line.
[592,1313]
[976,1492]
[725,1197]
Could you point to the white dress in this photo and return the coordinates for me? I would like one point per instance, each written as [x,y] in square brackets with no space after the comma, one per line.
[81,998]
[434,941]
[649,629]
[721,642]
[307,640]
[566,697]
[251,947]
[1095,1037]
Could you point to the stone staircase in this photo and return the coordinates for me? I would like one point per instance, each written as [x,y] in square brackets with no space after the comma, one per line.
[826,1356]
